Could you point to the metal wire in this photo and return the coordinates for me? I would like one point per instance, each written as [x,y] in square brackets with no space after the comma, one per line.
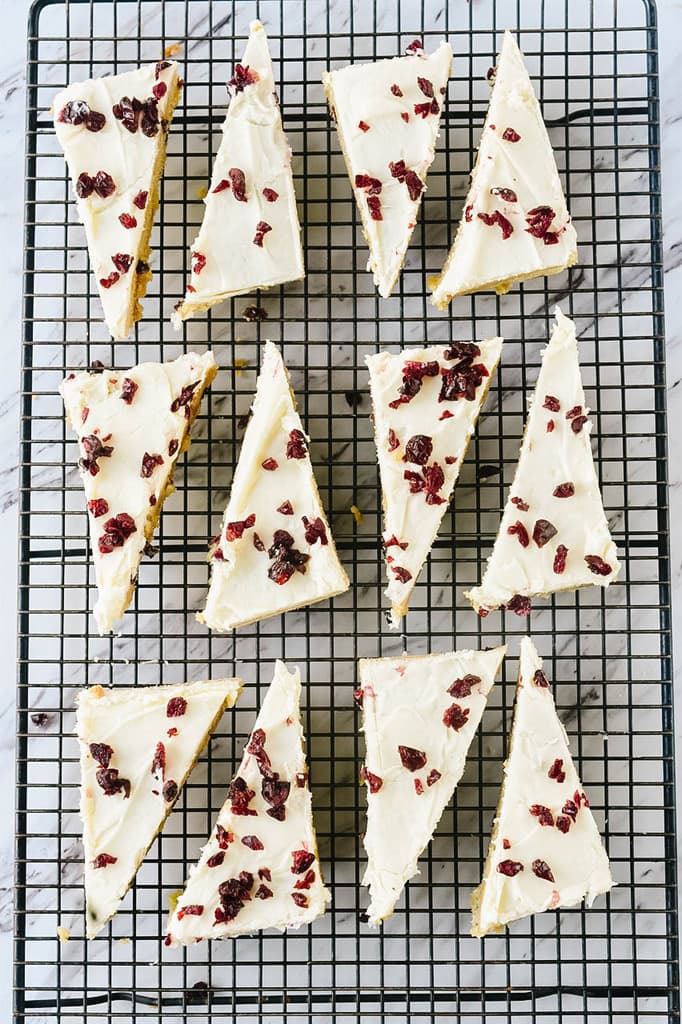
[595,65]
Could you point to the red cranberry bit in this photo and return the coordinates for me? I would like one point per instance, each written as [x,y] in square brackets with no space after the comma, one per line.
[563,823]
[252,842]
[405,116]
[543,531]
[575,411]
[358,697]
[540,679]
[551,238]
[258,543]
[374,782]
[159,761]
[122,261]
[109,782]
[468,216]
[172,732]
[418,787]
[300,899]
[84,186]
[374,207]
[556,771]
[433,777]
[265,873]
[430,480]
[418,449]
[223,837]
[233,894]
[98,507]
[518,530]
[103,860]
[426,87]
[559,563]
[199,262]
[413,375]
[297,447]
[238,182]
[411,758]
[240,797]
[543,814]
[394,542]
[497,218]
[77,112]
[520,504]
[173,446]
[149,464]
[519,605]
[462,687]
[372,186]
[235,531]
[461,381]
[363,126]
[94,450]
[396,90]
[407,177]
[571,808]
[102,753]
[159,90]
[462,351]
[508,195]
[301,861]
[128,390]
[506,845]
[455,717]
[190,910]
[315,530]
[169,791]
[550,426]
[107,282]
[262,229]
[286,508]
[184,399]
[539,220]
[415,46]
[221,186]
[287,560]
[300,780]
[424,109]
[263,893]
[566,490]
[270,195]
[551,403]
[140,200]
[393,441]
[542,870]
[176,707]
[509,868]
[509,135]
[578,423]
[242,77]
[307,881]
[275,791]
[598,566]
[401,574]
[270,464]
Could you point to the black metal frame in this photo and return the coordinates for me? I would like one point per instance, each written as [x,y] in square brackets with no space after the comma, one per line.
[609,654]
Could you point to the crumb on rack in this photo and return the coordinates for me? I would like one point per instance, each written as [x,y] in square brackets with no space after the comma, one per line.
[357,514]
[202,192]
[239,365]
[63,933]
[172,50]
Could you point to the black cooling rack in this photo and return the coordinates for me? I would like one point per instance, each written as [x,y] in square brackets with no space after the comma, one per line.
[595,65]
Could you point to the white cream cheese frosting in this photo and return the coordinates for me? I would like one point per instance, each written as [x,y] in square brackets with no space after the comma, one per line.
[131,425]
[275,550]
[138,745]
[260,868]
[250,236]
[515,223]
[554,534]
[419,718]
[426,402]
[388,115]
[113,131]
[545,851]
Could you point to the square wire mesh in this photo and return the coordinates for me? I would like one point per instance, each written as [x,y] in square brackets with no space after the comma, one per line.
[595,67]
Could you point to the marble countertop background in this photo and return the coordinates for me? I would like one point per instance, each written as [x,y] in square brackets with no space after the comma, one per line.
[12,119]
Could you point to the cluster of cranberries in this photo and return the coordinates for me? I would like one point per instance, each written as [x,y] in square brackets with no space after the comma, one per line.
[77,112]
[108,778]
[137,114]
[275,791]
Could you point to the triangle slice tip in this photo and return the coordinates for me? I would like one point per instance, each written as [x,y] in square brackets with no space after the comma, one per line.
[545,851]
[420,715]
[138,745]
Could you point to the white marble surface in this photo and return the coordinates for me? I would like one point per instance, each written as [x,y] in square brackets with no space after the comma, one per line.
[12,103]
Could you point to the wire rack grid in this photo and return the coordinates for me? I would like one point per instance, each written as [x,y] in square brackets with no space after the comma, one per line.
[595,66]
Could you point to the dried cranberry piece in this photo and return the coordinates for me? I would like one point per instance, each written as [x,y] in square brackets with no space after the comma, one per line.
[102,753]
[270,195]
[426,86]
[98,507]
[363,126]
[433,777]
[571,808]
[542,870]
[396,90]
[116,532]
[563,823]
[199,262]
[455,717]
[103,185]
[315,530]
[159,90]
[140,200]
[270,464]
[77,112]
[287,560]
[551,403]
[539,220]
[216,860]
[190,910]
[556,771]
[173,446]
[110,784]
[543,814]
[107,282]
[84,186]
[393,441]
[520,504]
[176,707]
[418,449]
[566,490]
[149,464]
[372,186]
[263,892]
[307,881]
[550,426]
[159,761]
[240,797]
[265,873]
[413,375]
[238,182]
[559,563]
[149,123]
[462,687]
[543,531]
[242,77]
[374,782]
[297,447]
[94,450]
[275,791]
[300,899]
[286,508]
[233,894]
[235,530]
[509,135]
[540,679]
[374,207]
[103,860]
[184,399]
[509,867]
[223,837]
[418,787]
[424,109]
[258,543]
[122,261]
[252,842]
[468,213]
[414,47]
[405,116]
[401,574]
[578,423]
[262,228]
[519,605]
[169,791]
[461,381]
[301,861]
[518,530]
[551,238]
[508,195]
[394,542]
[411,758]
[221,186]
[597,565]
[462,351]
[128,390]
[127,111]
[498,218]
